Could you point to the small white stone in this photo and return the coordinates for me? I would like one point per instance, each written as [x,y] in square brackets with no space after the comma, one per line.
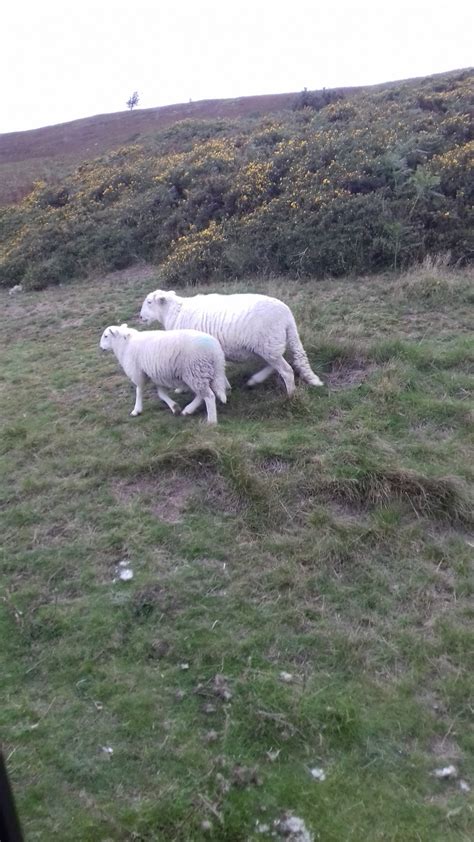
[286,677]
[294,828]
[262,828]
[446,772]
[318,774]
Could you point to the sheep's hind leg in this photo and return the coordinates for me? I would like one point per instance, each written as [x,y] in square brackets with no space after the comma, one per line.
[164,396]
[190,408]
[209,398]
[210,401]
[260,376]
[285,371]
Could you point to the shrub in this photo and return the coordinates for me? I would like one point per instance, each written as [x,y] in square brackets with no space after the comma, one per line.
[360,181]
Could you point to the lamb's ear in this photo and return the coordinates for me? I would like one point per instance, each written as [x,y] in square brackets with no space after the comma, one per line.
[124,325]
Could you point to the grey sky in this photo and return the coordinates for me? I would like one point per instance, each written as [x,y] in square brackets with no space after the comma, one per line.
[60,61]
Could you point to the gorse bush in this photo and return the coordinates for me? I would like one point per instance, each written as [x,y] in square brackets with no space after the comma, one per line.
[341,183]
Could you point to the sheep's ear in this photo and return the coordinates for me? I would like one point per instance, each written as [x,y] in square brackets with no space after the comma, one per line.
[124,325]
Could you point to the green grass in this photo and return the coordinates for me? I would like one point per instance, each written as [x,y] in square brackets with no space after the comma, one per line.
[328,537]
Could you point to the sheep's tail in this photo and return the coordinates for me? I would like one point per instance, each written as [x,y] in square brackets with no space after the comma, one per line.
[300,359]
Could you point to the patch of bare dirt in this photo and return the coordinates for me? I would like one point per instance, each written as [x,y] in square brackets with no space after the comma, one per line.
[154,598]
[166,497]
[274,465]
[445,748]
[169,495]
[138,272]
[348,374]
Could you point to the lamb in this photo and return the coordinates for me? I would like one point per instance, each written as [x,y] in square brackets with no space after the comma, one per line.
[175,358]
[248,326]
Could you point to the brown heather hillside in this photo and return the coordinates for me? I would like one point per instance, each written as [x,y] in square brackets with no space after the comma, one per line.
[49,152]
[319,183]
[45,153]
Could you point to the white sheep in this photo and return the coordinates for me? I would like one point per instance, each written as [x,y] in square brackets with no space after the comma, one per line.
[175,358]
[248,326]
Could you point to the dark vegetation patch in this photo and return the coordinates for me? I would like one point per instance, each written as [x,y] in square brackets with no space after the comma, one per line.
[357,183]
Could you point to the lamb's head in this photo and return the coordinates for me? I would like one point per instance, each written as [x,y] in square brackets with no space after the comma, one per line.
[156,305]
[112,334]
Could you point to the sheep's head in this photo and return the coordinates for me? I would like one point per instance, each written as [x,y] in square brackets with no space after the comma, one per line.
[114,332]
[156,305]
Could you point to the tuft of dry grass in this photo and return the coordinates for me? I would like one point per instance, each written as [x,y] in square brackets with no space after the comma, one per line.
[431,497]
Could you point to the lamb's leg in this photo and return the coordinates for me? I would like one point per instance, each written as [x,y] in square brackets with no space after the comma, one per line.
[138,408]
[285,371]
[210,401]
[164,396]
[260,376]
[191,407]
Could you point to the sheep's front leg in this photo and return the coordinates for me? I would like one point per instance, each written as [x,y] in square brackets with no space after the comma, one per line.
[191,407]
[138,408]
[164,396]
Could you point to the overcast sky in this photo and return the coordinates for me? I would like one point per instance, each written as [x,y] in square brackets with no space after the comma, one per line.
[60,61]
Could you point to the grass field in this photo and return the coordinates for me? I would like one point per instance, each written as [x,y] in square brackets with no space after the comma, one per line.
[302,583]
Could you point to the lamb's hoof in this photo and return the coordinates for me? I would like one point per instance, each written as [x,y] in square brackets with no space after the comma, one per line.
[316,382]
[134,413]
[176,409]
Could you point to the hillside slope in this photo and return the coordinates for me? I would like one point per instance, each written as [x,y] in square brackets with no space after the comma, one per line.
[302,576]
[341,182]
[47,152]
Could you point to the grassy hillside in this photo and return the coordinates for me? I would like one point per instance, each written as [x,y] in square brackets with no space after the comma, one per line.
[302,585]
[337,184]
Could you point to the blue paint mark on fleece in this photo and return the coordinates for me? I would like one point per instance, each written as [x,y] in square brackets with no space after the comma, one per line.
[206,341]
